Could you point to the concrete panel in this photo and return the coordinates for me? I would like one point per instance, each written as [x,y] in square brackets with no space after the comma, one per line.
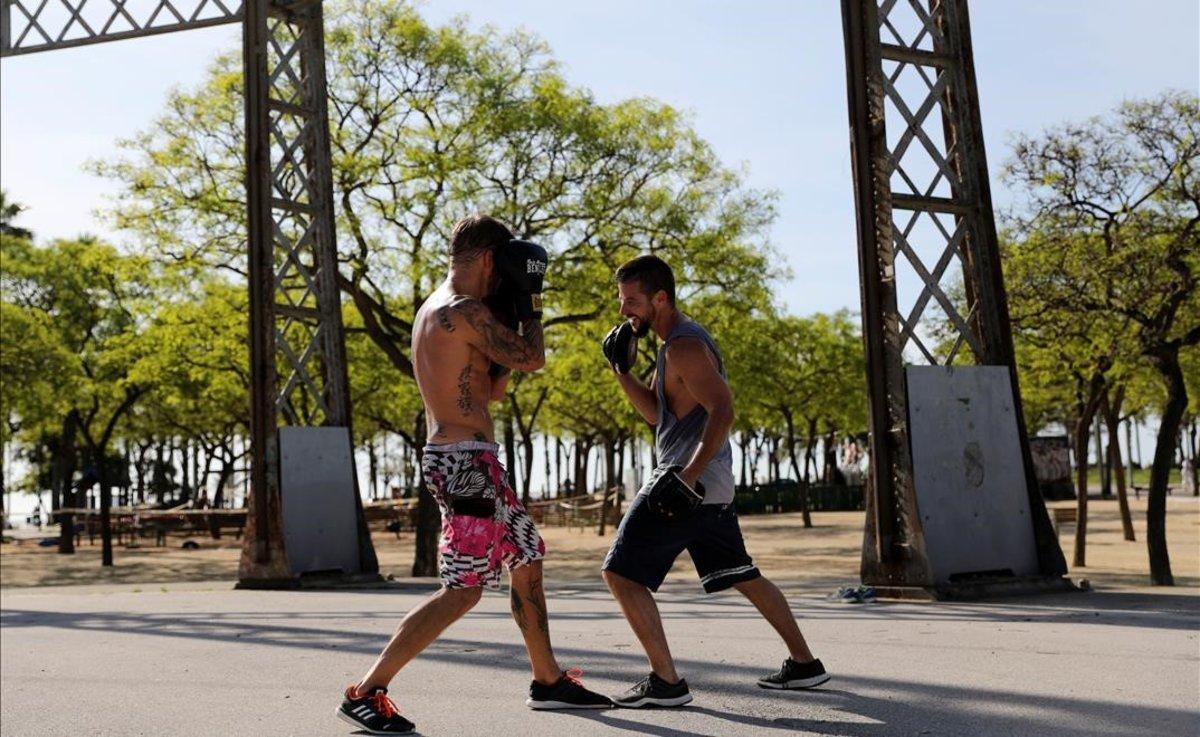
[968,472]
[317,489]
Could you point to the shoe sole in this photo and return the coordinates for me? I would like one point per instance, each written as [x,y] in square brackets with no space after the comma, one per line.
[798,683]
[553,705]
[359,725]
[676,701]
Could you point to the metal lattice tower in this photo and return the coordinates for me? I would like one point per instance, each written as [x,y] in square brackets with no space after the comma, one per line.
[296,329]
[926,228]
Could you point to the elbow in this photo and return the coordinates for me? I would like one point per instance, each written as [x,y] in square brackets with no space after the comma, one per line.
[535,364]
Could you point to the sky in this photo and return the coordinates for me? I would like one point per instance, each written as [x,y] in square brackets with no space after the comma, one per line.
[763,81]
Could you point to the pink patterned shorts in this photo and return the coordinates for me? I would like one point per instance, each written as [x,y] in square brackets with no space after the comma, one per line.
[483,522]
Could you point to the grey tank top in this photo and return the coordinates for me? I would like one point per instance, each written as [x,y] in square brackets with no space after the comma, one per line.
[676,438]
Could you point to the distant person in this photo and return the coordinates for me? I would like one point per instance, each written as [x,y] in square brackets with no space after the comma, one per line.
[1187,476]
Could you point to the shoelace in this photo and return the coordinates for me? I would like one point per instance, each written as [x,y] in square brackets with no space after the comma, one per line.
[385,706]
[574,675]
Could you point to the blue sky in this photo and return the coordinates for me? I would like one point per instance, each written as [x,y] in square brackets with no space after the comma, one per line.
[764,82]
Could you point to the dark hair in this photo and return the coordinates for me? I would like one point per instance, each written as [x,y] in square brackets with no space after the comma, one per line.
[651,274]
[475,234]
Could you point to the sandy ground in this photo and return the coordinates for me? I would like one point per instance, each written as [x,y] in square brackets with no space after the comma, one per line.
[820,558]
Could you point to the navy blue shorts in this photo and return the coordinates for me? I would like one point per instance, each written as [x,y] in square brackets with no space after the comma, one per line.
[647,545]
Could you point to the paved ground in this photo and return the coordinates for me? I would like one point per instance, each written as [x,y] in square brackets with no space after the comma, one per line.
[202,659]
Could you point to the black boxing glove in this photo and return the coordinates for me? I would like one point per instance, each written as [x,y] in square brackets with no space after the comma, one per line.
[504,309]
[669,497]
[620,348]
[522,269]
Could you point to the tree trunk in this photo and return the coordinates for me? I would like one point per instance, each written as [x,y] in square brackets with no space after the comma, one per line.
[214,524]
[582,451]
[1102,461]
[1110,408]
[158,468]
[106,548]
[428,517]
[372,469]
[197,482]
[140,468]
[620,479]
[65,466]
[1082,431]
[527,465]
[1137,436]
[203,481]
[1195,461]
[546,453]
[623,443]
[743,443]
[810,448]
[791,444]
[185,470]
[1082,436]
[1167,363]
[777,457]
[558,449]
[609,467]
[1129,449]
[510,453]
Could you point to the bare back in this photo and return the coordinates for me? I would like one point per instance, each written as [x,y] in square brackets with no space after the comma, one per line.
[451,373]
[455,340]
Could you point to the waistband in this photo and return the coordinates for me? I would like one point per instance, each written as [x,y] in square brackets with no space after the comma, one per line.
[461,446]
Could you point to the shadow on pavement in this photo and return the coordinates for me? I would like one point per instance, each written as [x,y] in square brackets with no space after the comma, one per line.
[871,707]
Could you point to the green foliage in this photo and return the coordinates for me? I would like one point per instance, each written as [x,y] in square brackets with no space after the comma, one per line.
[193,354]
[1101,263]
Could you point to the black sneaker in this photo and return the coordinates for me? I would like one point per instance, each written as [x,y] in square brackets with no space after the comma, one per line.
[375,713]
[568,693]
[796,675]
[654,691]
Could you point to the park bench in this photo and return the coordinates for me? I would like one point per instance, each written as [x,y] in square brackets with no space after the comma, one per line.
[1137,490]
[1059,515]
[396,515]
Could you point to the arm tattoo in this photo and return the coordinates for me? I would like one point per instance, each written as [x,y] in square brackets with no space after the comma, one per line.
[443,316]
[506,345]
[465,404]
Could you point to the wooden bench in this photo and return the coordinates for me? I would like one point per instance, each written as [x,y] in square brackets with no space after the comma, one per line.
[1059,515]
[1137,490]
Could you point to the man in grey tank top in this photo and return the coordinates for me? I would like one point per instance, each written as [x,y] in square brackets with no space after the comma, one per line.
[691,408]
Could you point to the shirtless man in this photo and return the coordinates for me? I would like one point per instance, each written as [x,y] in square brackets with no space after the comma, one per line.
[462,353]
[688,502]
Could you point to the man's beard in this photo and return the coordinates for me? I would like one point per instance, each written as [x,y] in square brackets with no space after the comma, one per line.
[644,323]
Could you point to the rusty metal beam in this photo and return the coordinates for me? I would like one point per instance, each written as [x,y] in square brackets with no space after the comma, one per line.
[894,553]
[27,27]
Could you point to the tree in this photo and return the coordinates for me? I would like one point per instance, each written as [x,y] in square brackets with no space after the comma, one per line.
[806,374]
[10,211]
[193,356]
[1121,197]
[429,124]
[35,374]
[93,297]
